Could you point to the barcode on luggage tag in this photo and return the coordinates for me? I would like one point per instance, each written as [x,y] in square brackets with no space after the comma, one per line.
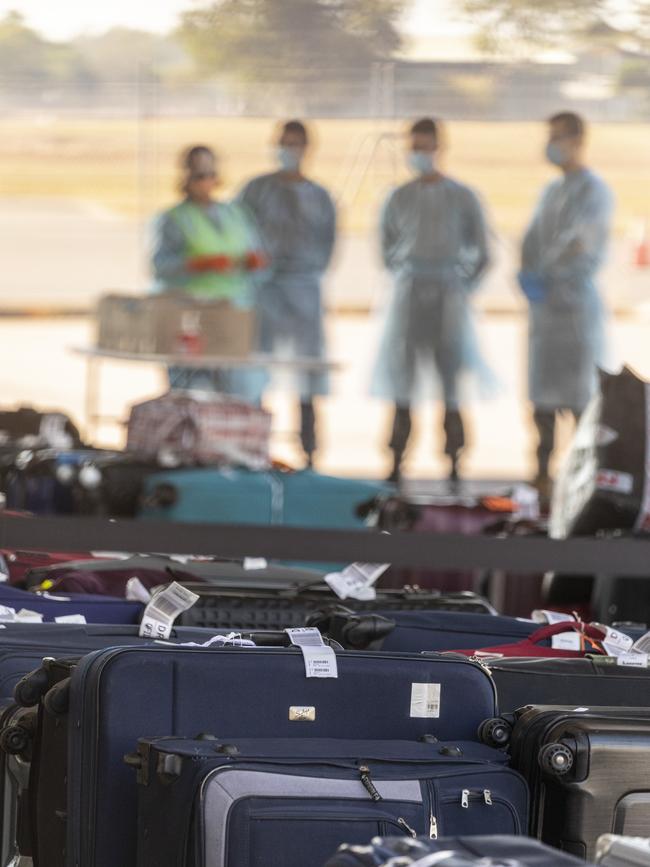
[164,608]
[425,700]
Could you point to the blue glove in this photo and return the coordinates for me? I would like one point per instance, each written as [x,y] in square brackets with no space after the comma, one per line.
[532,285]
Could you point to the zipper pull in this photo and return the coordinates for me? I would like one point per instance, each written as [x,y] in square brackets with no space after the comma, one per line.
[368,784]
[487,797]
[433,827]
[404,824]
[464,799]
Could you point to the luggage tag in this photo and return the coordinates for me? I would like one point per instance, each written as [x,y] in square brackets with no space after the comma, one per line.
[137,592]
[357,580]
[320,661]
[615,643]
[70,618]
[160,614]
[541,615]
[27,616]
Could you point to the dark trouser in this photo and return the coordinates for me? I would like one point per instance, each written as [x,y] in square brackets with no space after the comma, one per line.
[308,427]
[545,422]
[453,427]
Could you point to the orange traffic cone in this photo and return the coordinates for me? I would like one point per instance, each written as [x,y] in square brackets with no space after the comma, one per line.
[642,252]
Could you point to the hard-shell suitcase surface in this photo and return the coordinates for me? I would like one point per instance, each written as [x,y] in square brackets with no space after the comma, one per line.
[287,803]
[589,768]
[493,851]
[581,682]
[614,850]
[303,499]
[245,693]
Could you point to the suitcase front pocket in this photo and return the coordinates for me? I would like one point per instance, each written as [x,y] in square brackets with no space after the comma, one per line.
[292,832]
[477,811]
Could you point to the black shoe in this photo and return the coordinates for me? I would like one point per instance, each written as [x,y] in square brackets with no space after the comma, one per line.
[395,476]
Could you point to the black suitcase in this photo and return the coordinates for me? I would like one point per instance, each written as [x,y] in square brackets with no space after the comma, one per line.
[577,682]
[256,602]
[588,770]
[493,851]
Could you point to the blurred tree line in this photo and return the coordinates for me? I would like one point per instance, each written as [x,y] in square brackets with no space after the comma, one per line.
[239,38]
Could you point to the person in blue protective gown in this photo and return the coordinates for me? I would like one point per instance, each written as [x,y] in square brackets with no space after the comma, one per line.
[297,221]
[563,249]
[434,243]
[209,250]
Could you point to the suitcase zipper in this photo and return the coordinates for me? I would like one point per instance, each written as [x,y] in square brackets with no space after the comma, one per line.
[368,784]
[433,827]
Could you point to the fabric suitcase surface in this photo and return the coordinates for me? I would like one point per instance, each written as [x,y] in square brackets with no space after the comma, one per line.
[243,693]
[95,608]
[460,852]
[415,631]
[589,769]
[580,682]
[24,645]
[287,803]
[303,499]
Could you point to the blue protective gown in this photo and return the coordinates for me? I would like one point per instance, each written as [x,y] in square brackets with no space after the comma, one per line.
[434,242]
[564,247]
[297,221]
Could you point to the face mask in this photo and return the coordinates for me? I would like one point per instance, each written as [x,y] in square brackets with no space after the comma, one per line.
[555,153]
[289,159]
[421,162]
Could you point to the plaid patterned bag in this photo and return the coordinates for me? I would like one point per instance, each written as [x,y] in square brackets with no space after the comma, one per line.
[185,427]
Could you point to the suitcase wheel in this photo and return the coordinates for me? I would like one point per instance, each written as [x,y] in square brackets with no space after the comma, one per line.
[14,740]
[495,732]
[556,759]
[30,689]
[57,699]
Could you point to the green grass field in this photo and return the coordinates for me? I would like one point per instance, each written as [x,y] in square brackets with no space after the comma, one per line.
[130,167]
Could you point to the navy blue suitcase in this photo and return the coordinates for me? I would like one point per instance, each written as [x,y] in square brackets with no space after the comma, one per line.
[24,645]
[95,608]
[117,696]
[211,802]
[417,631]
[495,850]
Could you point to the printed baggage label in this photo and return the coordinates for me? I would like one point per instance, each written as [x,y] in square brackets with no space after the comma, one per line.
[612,480]
[70,618]
[615,643]
[357,580]
[541,615]
[567,641]
[320,661]
[425,700]
[253,564]
[633,660]
[160,614]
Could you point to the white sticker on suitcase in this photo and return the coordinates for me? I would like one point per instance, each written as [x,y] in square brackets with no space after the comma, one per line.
[425,700]
[634,660]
